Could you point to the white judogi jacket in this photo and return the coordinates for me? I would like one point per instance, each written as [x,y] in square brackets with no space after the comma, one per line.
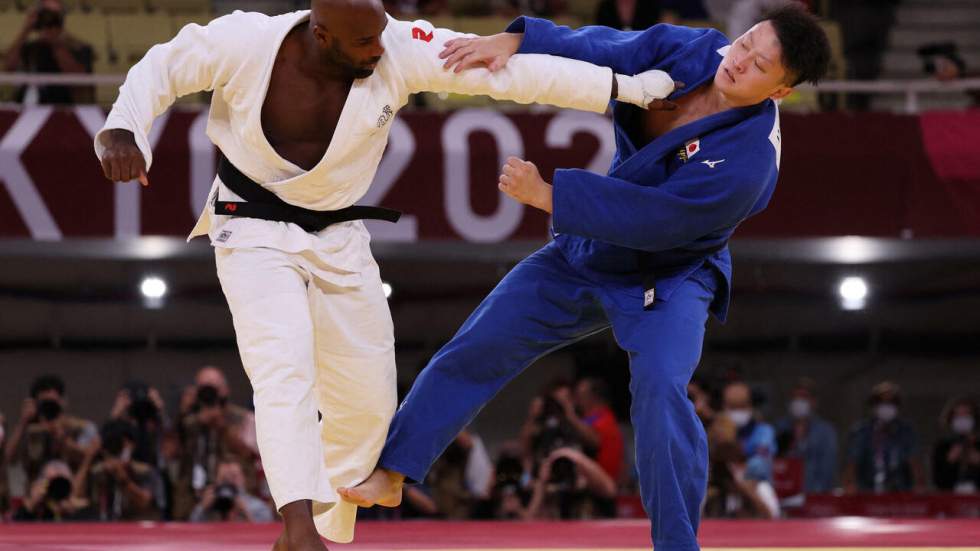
[234,56]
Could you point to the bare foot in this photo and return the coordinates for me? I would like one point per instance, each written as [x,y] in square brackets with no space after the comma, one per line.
[381,488]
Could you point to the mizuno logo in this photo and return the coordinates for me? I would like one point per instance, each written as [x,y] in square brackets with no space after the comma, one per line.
[711,164]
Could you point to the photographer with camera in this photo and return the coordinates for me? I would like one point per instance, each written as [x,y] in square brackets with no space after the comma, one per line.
[570,485]
[52,51]
[228,500]
[45,432]
[549,421]
[211,427]
[119,486]
[58,494]
[556,413]
[142,406]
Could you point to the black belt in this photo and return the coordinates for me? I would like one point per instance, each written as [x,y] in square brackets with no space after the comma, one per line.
[265,205]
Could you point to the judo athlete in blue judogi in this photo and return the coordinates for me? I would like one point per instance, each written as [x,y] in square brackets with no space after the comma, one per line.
[642,249]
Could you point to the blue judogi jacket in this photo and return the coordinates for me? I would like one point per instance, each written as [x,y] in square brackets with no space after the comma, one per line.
[668,208]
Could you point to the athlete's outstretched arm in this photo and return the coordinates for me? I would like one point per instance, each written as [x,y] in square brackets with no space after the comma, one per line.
[531,78]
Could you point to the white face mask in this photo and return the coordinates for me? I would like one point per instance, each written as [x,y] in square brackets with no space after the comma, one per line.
[962,424]
[740,417]
[886,412]
[799,408]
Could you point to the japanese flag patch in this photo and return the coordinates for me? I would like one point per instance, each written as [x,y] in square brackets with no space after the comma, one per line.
[690,149]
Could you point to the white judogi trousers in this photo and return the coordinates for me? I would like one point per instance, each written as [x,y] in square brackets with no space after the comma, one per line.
[308,344]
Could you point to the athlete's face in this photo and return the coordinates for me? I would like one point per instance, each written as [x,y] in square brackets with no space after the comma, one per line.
[752,69]
[354,42]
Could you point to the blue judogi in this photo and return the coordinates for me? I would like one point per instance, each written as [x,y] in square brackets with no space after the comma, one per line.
[659,216]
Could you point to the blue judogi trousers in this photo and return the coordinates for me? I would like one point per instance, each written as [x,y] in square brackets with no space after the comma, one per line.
[544,304]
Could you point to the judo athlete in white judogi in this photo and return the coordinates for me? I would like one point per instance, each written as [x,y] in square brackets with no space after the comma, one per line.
[301,110]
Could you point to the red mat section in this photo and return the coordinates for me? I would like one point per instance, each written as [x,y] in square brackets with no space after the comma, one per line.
[840,532]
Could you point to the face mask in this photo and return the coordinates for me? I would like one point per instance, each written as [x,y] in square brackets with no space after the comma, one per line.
[740,417]
[799,408]
[886,412]
[962,424]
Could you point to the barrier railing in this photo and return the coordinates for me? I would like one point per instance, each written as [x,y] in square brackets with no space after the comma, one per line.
[910,88]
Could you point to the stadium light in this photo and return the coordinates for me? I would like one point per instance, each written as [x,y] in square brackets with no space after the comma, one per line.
[853,293]
[153,289]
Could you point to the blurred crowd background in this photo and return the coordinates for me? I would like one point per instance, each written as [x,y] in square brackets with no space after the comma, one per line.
[194,457]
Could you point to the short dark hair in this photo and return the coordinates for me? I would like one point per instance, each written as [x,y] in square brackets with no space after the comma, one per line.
[806,50]
[47,382]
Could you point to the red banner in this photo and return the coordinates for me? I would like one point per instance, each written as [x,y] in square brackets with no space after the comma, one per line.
[842,174]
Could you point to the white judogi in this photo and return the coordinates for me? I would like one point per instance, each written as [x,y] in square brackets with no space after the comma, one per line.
[312,323]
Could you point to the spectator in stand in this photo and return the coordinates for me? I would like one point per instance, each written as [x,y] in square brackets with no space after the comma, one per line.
[807,436]
[718,427]
[227,499]
[628,15]
[956,457]
[52,51]
[881,448]
[944,62]
[211,428]
[756,438]
[732,493]
[461,477]
[118,486]
[597,428]
[45,432]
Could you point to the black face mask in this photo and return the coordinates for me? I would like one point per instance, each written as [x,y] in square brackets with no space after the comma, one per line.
[59,488]
[49,410]
[49,19]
